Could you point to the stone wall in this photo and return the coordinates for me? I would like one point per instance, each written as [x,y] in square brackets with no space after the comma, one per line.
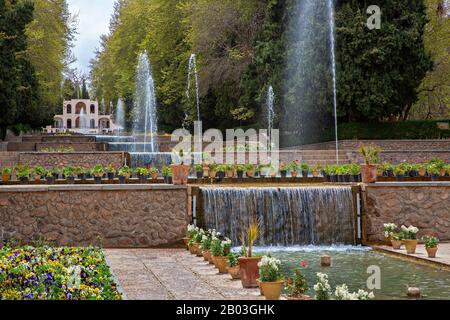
[425,205]
[8,159]
[432,144]
[121,216]
[411,156]
[84,159]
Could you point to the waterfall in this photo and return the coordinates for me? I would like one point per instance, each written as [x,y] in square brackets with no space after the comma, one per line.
[333,68]
[193,69]
[145,118]
[288,215]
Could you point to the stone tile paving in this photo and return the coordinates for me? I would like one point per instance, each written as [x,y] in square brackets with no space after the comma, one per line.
[167,274]
[442,257]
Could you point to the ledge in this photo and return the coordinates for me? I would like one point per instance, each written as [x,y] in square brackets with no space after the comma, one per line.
[409,184]
[106,187]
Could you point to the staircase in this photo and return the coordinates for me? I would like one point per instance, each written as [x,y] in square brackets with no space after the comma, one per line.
[323,157]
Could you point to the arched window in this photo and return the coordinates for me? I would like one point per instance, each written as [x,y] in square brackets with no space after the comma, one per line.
[107,125]
[69,123]
[92,108]
[92,123]
[69,108]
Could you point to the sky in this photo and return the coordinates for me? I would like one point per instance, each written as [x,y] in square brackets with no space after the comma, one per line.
[93,21]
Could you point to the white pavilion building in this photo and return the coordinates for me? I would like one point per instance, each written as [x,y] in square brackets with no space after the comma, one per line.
[82,116]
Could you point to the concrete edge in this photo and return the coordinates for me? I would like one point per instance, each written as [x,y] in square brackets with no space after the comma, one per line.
[116,280]
[409,184]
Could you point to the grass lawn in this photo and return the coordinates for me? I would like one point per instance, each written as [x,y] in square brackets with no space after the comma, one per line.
[55,273]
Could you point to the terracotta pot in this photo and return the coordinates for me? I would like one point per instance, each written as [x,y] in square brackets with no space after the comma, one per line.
[222,264]
[186,241]
[207,255]
[191,249]
[272,290]
[249,271]
[205,171]
[369,173]
[180,174]
[294,174]
[199,251]
[443,172]
[250,173]
[316,174]
[396,244]
[387,240]
[432,252]
[210,258]
[230,173]
[155,176]
[234,272]
[6,177]
[410,246]
[301,297]
[196,248]
[212,173]
[422,172]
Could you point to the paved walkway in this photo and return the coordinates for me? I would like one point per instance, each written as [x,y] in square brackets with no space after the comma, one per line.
[166,274]
[442,259]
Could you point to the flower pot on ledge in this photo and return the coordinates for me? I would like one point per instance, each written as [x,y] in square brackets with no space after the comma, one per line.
[432,252]
[369,173]
[249,271]
[180,174]
[221,264]
[410,246]
[272,290]
[396,244]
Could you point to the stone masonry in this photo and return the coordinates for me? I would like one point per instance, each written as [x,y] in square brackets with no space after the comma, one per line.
[424,205]
[84,159]
[115,216]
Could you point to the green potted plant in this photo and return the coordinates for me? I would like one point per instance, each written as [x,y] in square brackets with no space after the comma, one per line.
[294,168]
[240,169]
[355,171]
[206,247]
[233,266]
[284,169]
[248,263]
[56,172]
[304,166]
[410,238]
[221,171]
[143,174]
[110,171]
[154,172]
[218,248]
[296,286]
[69,173]
[212,170]
[124,174]
[23,173]
[6,174]
[397,240]
[431,245]
[98,172]
[389,230]
[79,172]
[316,170]
[49,177]
[434,171]
[198,168]
[271,277]
[38,173]
[369,170]
[180,169]
[229,170]
[250,170]
[167,174]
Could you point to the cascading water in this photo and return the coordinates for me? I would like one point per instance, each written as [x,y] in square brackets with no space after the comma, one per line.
[145,118]
[192,71]
[270,111]
[120,116]
[333,68]
[288,215]
[83,120]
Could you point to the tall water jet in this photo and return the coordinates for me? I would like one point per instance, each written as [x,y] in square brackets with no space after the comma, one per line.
[83,120]
[120,116]
[145,118]
[288,215]
[192,71]
[333,70]
[270,111]
[308,87]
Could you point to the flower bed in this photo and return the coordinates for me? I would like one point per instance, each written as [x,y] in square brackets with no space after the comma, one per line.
[60,273]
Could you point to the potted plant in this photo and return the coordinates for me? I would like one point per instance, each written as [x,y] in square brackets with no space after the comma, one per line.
[434,171]
[240,169]
[304,166]
[98,172]
[400,172]
[218,249]
[233,266]
[410,238]
[49,177]
[23,173]
[198,168]
[230,171]
[389,231]
[249,264]
[79,172]
[284,169]
[206,247]
[431,245]
[271,278]
[153,172]
[124,174]
[6,174]
[221,171]
[316,170]
[388,169]
[110,172]
[294,168]
[180,170]
[56,172]
[296,285]
[197,238]
[371,156]
[167,174]
[38,173]
[355,171]
[143,174]
[212,170]
[397,240]
[250,170]
[69,173]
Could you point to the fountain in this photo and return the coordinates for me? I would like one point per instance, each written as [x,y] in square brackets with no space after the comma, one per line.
[333,69]
[270,112]
[120,116]
[83,120]
[288,215]
[145,118]
[193,69]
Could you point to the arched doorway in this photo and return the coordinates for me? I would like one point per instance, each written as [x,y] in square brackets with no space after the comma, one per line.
[69,123]
[79,107]
[92,124]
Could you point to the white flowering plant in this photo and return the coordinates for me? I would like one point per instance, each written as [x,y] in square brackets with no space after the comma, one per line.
[322,287]
[409,233]
[342,293]
[389,229]
[191,230]
[270,269]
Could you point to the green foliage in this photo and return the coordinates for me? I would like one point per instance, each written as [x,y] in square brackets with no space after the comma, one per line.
[430,242]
